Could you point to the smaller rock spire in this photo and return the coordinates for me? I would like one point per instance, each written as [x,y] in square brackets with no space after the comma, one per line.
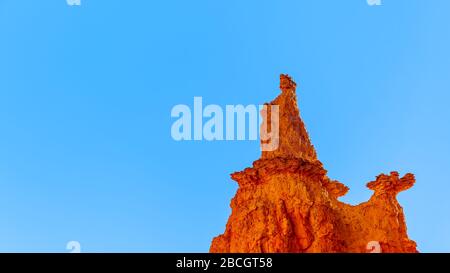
[391,184]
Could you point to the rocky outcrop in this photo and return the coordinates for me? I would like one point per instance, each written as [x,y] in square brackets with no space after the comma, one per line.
[286,202]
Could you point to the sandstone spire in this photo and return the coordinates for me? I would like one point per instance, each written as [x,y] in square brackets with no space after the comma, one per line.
[287,203]
[294,140]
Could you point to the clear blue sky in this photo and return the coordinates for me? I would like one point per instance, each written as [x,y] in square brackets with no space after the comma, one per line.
[86,94]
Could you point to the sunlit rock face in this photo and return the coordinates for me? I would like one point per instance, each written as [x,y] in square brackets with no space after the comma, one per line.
[287,203]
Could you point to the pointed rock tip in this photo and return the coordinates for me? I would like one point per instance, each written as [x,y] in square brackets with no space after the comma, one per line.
[286,83]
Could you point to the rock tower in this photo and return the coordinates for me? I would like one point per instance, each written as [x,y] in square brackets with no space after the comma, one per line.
[286,202]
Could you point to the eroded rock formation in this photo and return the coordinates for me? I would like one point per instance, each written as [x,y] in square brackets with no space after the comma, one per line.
[287,203]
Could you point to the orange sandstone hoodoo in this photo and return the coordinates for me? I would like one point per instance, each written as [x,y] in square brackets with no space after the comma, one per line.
[287,203]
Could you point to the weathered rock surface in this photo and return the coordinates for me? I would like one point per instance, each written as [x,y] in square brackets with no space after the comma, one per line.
[286,202]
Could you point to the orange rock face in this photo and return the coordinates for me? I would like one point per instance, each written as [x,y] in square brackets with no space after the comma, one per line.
[287,203]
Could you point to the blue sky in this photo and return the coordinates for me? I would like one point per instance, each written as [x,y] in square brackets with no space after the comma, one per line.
[86,94]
